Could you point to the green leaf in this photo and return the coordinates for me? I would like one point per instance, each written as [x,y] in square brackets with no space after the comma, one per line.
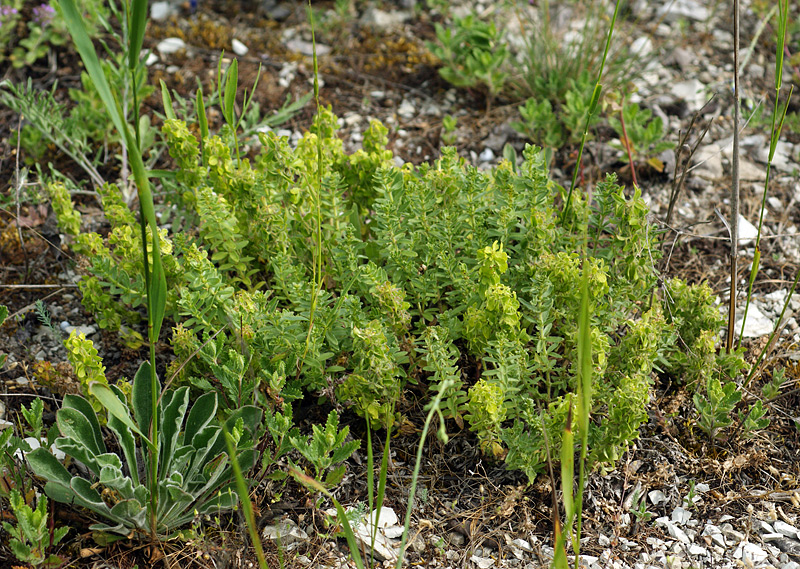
[174,413]
[115,407]
[84,407]
[200,415]
[84,46]
[200,109]
[44,464]
[231,85]
[137,26]
[126,440]
[167,101]
[142,396]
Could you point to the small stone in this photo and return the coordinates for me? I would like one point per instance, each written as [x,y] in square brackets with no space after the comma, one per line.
[732,534]
[786,529]
[708,163]
[681,515]
[160,11]
[487,155]
[239,48]
[693,92]
[697,550]
[32,442]
[791,565]
[683,9]
[58,453]
[603,540]
[151,59]
[750,172]
[683,57]
[286,532]
[767,537]
[523,544]
[482,562]
[85,329]
[406,110]
[5,424]
[456,539]
[170,45]
[384,20]
[386,517]
[279,12]
[393,532]
[757,324]
[418,544]
[677,532]
[307,48]
[656,497]
[751,551]
[384,549]
[642,46]
[763,527]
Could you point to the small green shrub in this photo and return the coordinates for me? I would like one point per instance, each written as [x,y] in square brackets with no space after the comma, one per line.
[645,135]
[473,54]
[427,272]
[31,538]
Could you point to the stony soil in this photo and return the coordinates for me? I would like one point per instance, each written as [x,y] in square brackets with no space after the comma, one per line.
[732,504]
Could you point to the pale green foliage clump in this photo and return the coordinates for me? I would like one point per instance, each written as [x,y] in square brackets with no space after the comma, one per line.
[473,54]
[30,538]
[69,219]
[86,363]
[463,280]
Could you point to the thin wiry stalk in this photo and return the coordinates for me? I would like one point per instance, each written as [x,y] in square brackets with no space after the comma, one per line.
[734,180]
[592,108]
[317,260]
[778,118]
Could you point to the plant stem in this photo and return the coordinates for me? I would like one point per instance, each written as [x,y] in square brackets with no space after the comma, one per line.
[734,181]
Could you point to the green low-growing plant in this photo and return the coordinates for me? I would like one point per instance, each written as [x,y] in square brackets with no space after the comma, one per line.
[193,473]
[87,365]
[552,124]
[326,450]
[31,537]
[473,54]
[641,137]
[485,256]
[716,407]
[448,135]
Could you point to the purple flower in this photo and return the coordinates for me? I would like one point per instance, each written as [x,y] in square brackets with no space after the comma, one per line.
[43,15]
[5,12]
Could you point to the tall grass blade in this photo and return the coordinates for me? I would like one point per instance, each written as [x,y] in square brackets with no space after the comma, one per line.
[138,23]
[310,482]
[244,499]
[592,109]
[434,409]
[778,118]
[734,182]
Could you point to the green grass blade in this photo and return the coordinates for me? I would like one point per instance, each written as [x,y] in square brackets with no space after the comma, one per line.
[137,26]
[166,99]
[592,107]
[231,84]
[244,500]
[310,482]
[83,44]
